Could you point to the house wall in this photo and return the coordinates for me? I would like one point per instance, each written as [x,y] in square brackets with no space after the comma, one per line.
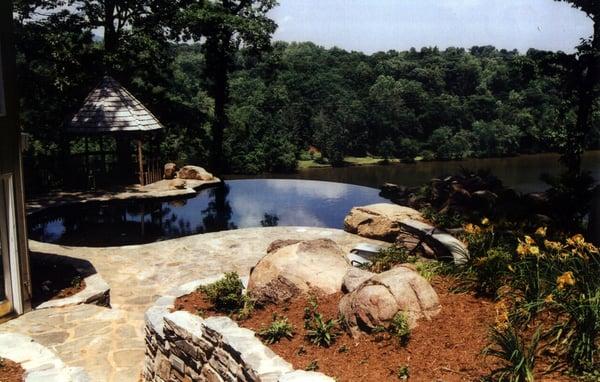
[10,144]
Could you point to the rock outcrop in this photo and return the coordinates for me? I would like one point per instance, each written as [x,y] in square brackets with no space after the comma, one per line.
[407,228]
[288,270]
[379,221]
[194,172]
[376,301]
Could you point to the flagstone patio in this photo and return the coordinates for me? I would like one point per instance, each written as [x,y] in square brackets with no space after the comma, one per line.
[109,343]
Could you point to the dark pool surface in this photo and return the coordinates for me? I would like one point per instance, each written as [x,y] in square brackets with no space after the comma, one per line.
[238,204]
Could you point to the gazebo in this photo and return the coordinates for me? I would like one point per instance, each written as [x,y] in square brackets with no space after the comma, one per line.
[109,109]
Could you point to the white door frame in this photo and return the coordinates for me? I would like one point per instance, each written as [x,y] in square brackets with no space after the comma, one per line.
[10,254]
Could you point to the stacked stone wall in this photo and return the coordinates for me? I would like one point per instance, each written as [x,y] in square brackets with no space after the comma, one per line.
[184,347]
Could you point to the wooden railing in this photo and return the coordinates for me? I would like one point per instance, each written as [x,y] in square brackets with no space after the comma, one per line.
[152,170]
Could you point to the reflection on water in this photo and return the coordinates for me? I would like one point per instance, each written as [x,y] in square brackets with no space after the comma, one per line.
[238,204]
[521,173]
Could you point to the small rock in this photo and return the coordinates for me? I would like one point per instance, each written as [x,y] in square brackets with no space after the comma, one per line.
[170,170]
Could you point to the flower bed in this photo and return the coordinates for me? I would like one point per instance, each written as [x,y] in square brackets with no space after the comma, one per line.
[437,349]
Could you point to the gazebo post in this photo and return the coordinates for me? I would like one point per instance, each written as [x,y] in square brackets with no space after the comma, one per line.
[87,162]
[140,160]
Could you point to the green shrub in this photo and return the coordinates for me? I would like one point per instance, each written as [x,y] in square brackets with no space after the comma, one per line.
[517,357]
[429,269]
[387,258]
[226,294]
[442,219]
[399,328]
[279,328]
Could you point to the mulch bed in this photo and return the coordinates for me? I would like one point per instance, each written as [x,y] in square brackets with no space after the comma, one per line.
[10,371]
[447,348]
[53,281]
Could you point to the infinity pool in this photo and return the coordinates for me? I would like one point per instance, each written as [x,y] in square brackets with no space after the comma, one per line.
[236,204]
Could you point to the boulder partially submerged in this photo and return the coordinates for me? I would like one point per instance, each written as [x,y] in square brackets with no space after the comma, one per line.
[294,267]
[377,300]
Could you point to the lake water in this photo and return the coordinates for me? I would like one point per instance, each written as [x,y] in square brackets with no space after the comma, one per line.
[300,201]
[521,173]
[239,204]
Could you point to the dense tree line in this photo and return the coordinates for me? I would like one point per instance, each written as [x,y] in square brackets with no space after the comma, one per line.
[215,66]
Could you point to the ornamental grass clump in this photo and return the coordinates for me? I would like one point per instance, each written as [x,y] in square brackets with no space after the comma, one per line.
[319,331]
[561,278]
[518,358]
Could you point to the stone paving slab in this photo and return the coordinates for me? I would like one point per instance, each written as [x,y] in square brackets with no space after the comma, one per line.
[157,190]
[109,343]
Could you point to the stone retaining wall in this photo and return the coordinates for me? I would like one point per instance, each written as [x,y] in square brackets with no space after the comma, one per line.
[184,347]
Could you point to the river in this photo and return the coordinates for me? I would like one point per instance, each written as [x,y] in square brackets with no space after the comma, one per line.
[521,173]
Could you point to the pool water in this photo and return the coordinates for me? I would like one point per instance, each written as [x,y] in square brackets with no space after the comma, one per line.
[236,204]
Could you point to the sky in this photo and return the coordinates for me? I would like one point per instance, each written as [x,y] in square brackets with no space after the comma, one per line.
[380,25]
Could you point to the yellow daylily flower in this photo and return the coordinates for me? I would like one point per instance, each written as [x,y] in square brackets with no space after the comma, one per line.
[485,221]
[471,228]
[541,231]
[553,245]
[534,250]
[566,279]
[549,299]
[529,240]
[522,249]
[576,240]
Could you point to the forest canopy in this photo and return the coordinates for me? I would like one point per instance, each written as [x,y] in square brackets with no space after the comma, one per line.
[285,98]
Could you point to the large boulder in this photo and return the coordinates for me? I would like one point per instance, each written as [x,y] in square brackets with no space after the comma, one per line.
[407,228]
[298,267]
[194,172]
[170,171]
[379,221]
[375,302]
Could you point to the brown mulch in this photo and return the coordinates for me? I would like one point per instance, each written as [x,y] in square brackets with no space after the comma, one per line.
[52,281]
[447,348]
[10,371]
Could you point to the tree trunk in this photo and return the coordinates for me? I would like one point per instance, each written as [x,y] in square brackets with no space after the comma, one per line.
[218,49]
[110,34]
[587,95]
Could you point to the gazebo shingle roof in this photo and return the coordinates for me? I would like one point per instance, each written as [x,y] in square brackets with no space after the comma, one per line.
[110,108]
